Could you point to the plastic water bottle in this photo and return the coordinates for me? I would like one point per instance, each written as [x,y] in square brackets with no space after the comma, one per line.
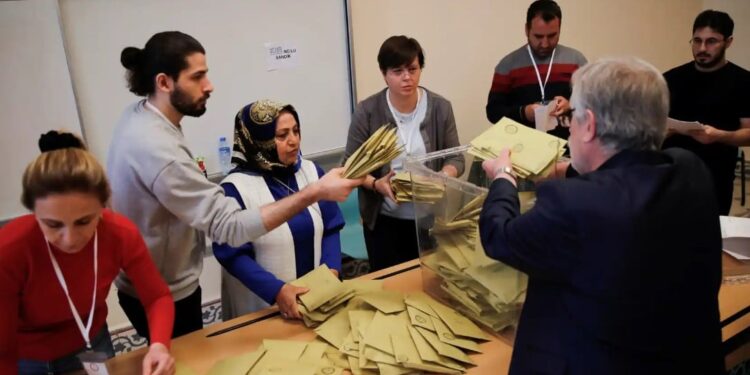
[225,156]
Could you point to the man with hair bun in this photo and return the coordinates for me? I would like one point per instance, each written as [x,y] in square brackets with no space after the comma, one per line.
[623,255]
[713,91]
[157,184]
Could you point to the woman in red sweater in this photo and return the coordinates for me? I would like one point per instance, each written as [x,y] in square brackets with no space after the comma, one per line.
[57,265]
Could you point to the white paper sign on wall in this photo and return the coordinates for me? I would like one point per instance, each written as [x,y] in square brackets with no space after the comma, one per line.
[282,55]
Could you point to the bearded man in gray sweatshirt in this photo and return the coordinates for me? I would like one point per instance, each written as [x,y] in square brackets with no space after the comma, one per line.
[157,184]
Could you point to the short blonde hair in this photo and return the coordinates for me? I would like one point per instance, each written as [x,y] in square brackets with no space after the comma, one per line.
[64,170]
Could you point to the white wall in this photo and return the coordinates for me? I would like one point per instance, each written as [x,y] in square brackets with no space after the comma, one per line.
[464,40]
[36,91]
[233,33]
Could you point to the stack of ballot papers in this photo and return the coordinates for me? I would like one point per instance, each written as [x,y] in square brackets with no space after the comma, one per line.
[378,150]
[282,357]
[377,332]
[327,294]
[533,153]
[374,331]
[410,188]
[387,332]
[484,289]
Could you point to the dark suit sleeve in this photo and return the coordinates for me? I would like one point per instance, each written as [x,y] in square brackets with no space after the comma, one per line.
[539,243]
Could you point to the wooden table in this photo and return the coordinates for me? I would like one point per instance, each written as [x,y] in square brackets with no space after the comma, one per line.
[201,349]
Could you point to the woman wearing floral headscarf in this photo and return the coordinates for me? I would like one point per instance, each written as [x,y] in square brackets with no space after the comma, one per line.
[269,167]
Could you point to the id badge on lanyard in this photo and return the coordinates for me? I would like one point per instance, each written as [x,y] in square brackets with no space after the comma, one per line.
[93,362]
[543,85]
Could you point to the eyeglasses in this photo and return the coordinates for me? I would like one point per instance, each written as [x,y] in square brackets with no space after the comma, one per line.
[710,42]
[565,118]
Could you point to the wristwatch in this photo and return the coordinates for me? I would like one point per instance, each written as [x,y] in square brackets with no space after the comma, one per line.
[505,169]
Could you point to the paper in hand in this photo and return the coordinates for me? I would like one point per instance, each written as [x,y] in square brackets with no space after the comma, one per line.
[543,119]
[378,150]
[683,127]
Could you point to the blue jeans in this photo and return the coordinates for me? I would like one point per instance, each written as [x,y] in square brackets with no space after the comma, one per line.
[101,343]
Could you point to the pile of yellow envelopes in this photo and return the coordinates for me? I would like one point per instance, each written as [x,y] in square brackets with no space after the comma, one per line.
[378,150]
[533,153]
[374,331]
[327,294]
[409,188]
[387,332]
[281,357]
[485,290]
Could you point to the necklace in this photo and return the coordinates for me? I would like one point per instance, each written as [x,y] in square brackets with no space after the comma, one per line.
[291,191]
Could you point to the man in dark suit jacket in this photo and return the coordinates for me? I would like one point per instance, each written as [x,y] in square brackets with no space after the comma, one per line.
[624,255]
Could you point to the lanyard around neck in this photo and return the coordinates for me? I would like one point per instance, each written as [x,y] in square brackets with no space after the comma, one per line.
[404,139]
[85,331]
[542,86]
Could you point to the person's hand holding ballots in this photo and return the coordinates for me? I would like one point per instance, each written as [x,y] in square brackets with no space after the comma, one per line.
[381,148]
[500,167]
[535,152]
[409,187]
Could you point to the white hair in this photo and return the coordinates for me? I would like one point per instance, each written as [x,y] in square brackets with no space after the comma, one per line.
[629,99]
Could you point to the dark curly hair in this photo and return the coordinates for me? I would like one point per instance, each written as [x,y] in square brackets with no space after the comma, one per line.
[164,53]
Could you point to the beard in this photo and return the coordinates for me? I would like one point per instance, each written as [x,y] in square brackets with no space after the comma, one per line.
[708,64]
[181,101]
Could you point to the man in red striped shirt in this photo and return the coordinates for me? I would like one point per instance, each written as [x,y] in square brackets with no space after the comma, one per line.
[537,73]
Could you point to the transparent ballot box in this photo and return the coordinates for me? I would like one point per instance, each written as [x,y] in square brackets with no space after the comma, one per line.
[455,268]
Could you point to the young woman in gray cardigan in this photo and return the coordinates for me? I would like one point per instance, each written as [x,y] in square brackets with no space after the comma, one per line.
[425,123]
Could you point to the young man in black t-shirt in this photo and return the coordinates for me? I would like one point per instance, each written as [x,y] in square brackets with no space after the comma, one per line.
[716,93]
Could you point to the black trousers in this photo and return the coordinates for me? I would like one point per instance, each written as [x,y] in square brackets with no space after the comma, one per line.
[724,185]
[391,242]
[188,315]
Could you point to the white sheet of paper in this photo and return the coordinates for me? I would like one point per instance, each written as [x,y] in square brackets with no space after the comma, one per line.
[543,120]
[281,55]
[683,126]
[732,226]
[735,234]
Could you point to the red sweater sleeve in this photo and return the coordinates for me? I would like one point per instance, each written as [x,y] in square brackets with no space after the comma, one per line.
[152,291]
[11,283]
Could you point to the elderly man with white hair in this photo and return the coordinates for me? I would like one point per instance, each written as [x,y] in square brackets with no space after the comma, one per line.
[624,254]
